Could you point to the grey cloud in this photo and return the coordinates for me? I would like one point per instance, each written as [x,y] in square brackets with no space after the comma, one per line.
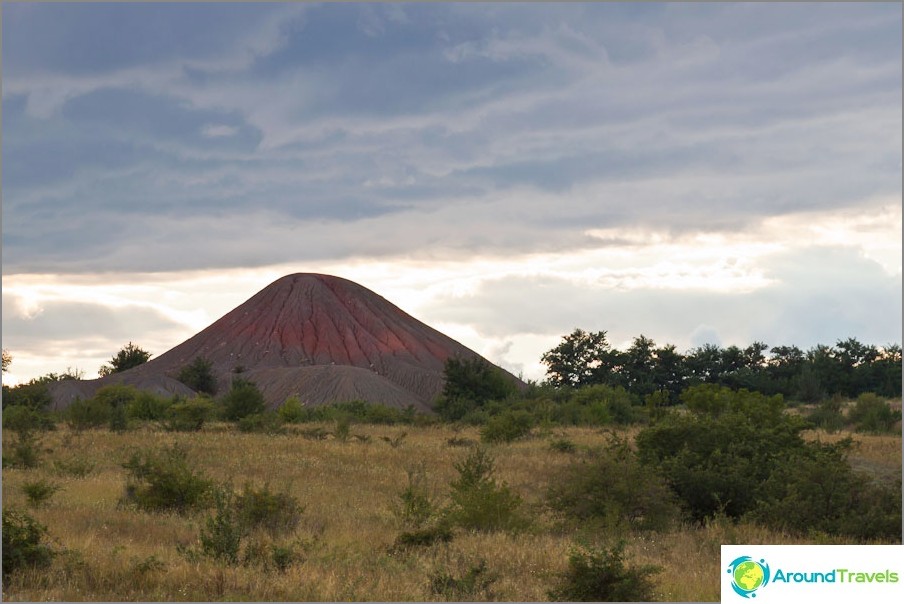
[78,321]
[550,121]
[820,296]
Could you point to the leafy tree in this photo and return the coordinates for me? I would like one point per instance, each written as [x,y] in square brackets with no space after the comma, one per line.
[582,358]
[198,375]
[669,371]
[639,362]
[470,383]
[128,357]
[7,360]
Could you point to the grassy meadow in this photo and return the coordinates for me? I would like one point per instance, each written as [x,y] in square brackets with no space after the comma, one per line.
[350,489]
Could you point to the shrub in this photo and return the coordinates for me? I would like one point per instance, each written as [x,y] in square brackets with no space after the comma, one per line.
[715,458]
[198,375]
[83,414]
[475,582]
[816,490]
[39,492]
[415,507]
[342,431]
[478,502]
[242,400]
[615,490]
[24,421]
[600,575]
[828,415]
[221,536]
[266,423]
[276,513]
[164,480]
[291,411]
[562,445]
[149,407]
[77,467]
[188,416]
[23,543]
[475,379]
[873,414]
[507,427]
[423,537]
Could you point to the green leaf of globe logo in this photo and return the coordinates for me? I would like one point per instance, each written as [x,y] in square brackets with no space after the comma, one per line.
[748,575]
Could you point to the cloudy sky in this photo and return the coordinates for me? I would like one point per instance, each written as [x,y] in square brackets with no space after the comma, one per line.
[696,173]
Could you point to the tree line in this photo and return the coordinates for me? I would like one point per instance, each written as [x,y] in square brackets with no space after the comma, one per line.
[849,368]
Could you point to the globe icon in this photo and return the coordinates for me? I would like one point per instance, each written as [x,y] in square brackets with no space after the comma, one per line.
[748,575]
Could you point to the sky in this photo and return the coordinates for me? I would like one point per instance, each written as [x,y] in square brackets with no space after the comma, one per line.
[693,172]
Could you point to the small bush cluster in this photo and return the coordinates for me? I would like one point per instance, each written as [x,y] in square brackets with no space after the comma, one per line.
[164,480]
[264,423]
[24,543]
[612,489]
[39,492]
[242,400]
[479,503]
[873,414]
[601,575]
[507,427]
[198,375]
[188,416]
[293,411]
[473,584]
[236,517]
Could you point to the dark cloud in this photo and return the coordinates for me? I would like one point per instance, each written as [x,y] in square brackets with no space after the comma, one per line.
[161,137]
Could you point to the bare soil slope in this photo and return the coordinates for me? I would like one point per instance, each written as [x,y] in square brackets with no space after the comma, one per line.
[323,338]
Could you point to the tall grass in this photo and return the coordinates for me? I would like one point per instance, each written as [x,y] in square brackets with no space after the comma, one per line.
[343,541]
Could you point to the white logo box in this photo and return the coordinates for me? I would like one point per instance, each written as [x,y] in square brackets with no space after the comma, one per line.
[818,573]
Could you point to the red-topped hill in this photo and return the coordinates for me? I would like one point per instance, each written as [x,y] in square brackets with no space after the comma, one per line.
[320,337]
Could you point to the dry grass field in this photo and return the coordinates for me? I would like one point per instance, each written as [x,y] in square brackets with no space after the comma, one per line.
[349,489]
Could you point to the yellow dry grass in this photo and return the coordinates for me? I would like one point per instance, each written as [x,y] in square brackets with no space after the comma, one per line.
[112,552]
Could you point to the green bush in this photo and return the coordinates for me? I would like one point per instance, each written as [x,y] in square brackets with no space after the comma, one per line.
[24,419]
[816,490]
[198,375]
[24,422]
[473,584]
[276,513]
[164,480]
[242,400]
[716,457]
[83,414]
[77,467]
[291,411]
[23,544]
[188,416]
[613,489]
[873,414]
[426,536]
[39,492]
[828,415]
[478,502]
[149,407]
[601,575]
[415,506]
[221,536]
[507,427]
[562,445]
[265,423]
